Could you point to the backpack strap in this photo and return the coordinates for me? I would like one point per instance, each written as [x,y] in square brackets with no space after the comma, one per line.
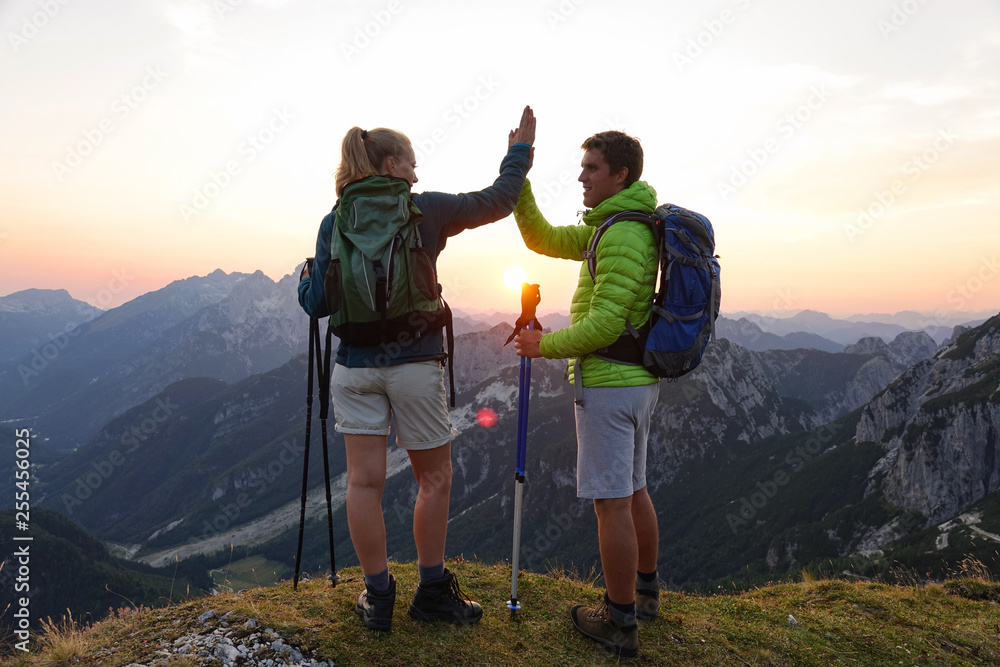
[628,348]
[590,254]
[324,368]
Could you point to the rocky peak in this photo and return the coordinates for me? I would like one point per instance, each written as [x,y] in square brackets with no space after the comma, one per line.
[867,345]
[939,423]
[727,328]
[913,346]
[890,359]
[45,302]
[481,354]
[955,333]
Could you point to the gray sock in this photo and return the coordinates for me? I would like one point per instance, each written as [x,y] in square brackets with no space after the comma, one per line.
[432,573]
[378,582]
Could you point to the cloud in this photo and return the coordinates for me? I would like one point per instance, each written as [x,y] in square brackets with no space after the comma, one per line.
[925,95]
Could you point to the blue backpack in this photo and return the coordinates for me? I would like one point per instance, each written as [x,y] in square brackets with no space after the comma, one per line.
[686,303]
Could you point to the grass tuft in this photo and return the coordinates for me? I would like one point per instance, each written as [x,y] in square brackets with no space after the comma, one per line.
[62,642]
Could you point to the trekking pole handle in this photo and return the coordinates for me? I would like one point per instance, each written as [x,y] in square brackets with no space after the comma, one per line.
[530,298]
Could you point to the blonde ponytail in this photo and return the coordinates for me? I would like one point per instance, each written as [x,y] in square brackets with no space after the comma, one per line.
[364,152]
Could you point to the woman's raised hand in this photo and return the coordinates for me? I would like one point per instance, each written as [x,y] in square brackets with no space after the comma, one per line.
[525,133]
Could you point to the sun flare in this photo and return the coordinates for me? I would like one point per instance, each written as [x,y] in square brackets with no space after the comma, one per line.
[514,276]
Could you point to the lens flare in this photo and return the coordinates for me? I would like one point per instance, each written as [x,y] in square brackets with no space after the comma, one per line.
[486,417]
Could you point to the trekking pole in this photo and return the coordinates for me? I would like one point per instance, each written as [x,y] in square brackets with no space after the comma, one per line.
[313,342]
[317,360]
[530,298]
[324,411]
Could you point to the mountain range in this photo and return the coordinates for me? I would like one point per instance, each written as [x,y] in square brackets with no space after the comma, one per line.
[67,368]
[30,319]
[88,372]
[172,428]
[847,331]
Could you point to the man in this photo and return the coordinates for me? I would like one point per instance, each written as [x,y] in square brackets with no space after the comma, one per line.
[614,400]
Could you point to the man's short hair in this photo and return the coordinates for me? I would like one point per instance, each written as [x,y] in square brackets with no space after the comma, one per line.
[619,150]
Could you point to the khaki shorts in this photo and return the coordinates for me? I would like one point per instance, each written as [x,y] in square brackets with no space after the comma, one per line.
[410,395]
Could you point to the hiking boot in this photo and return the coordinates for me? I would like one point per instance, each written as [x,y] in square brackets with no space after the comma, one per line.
[647,598]
[375,607]
[442,600]
[608,626]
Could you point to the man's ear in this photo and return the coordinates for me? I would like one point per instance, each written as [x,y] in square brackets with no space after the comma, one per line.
[621,176]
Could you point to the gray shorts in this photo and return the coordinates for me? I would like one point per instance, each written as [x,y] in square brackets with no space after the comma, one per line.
[612,428]
[366,400]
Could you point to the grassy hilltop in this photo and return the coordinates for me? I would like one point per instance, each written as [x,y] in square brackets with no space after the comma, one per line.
[809,623]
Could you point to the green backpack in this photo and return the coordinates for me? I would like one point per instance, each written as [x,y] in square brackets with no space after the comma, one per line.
[380,285]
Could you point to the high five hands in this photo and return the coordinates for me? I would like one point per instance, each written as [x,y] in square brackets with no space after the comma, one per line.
[525,133]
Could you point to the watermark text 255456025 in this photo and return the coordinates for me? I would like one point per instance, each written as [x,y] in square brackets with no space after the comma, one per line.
[22,554]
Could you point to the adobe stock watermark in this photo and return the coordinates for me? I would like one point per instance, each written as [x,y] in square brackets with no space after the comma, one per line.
[364,35]
[43,355]
[220,179]
[557,524]
[963,292]
[561,12]
[786,128]
[454,285]
[436,482]
[133,437]
[783,303]
[967,291]
[900,15]
[548,190]
[455,116]
[35,23]
[393,349]
[223,7]
[260,481]
[711,30]
[121,109]
[765,492]
[913,169]
[535,546]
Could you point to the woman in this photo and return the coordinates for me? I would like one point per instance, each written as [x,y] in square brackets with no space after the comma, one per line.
[371,388]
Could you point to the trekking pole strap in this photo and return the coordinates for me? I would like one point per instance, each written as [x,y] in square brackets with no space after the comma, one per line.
[313,335]
[324,372]
[577,383]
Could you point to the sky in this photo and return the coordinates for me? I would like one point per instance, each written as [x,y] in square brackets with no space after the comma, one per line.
[847,153]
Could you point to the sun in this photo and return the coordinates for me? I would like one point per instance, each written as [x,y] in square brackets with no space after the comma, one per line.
[514,276]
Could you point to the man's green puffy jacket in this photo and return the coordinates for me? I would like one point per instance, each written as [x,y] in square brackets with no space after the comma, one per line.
[626,276]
